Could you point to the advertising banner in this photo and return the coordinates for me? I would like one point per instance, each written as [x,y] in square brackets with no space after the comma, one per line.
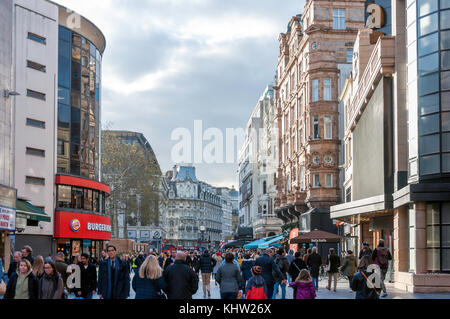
[81,225]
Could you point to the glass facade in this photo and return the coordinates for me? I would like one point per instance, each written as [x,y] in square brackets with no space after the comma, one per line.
[79,103]
[428,39]
[438,237]
[80,198]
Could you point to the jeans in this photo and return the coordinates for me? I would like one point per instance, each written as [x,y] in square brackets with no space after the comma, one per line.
[275,290]
[89,296]
[228,295]
[383,276]
[270,291]
[315,281]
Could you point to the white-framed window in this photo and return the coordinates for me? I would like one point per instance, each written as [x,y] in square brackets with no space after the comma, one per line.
[328,127]
[315,90]
[316,133]
[327,89]
[350,55]
[316,181]
[339,19]
[329,180]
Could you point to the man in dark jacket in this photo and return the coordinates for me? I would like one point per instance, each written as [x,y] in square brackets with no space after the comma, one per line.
[333,262]
[314,262]
[206,265]
[27,253]
[61,267]
[246,268]
[365,251]
[282,263]
[381,256]
[294,269]
[88,278]
[182,282]
[268,266]
[13,266]
[113,277]
[191,261]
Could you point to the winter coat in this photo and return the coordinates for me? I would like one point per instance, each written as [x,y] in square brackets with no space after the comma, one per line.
[304,289]
[314,262]
[366,251]
[229,278]
[146,288]
[334,262]
[206,263]
[257,282]
[246,268]
[364,291]
[296,266]
[89,279]
[120,287]
[193,263]
[283,264]
[349,266]
[47,289]
[268,264]
[61,268]
[12,268]
[375,257]
[182,282]
[33,286]
[290,258]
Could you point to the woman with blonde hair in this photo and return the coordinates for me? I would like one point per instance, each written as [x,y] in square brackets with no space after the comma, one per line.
[22,284]
[149,280]
[38,267]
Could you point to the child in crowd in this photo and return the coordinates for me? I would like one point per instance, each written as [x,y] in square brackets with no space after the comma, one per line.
[256,286]
[305,288]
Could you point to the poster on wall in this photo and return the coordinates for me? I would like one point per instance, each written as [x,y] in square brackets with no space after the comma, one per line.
[293,233]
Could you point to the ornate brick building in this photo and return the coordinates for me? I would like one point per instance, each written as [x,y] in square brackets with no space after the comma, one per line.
[315,58]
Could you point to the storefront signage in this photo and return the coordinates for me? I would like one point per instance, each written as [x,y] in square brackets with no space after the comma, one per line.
[82,226]
[375,20]
[318,240]
[7,218]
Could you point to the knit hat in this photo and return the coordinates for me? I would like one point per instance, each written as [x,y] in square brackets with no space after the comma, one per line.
[256,270]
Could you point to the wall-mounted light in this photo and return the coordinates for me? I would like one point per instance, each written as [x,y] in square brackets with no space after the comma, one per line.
[8,93]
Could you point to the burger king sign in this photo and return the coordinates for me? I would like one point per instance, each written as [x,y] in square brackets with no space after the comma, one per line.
[75,225]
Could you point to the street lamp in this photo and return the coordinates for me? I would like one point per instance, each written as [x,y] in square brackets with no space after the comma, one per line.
[8,93]
[202,231]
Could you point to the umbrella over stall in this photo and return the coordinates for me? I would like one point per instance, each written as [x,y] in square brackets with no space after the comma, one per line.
[316,236]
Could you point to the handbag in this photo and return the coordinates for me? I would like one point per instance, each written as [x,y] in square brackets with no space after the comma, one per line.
[160,294]
[2,287]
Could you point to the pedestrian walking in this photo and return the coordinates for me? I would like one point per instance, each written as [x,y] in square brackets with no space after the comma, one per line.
[206,265]
[27,253]
[308,252]
[314,263]
[304,286]
[105,256]
[191,261]
[182,282]
[88,276]
[22,284]
[240,259]
[229,279]
[13,266]
[381,256]
[149,280]
[246,268]
[365,251]
[270,271]
[256,286]
[38,267]
[61,267]
[283,264]
[365,289]
[294,270]
[290,256]
[349,267]
[113,277]
[333,261]
[51,285]
[218,258]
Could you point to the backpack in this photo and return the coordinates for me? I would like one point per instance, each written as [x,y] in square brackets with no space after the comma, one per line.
[382,257]
[275,274]
[256,293]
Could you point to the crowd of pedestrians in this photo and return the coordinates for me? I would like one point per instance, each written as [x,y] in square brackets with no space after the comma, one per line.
[251,274]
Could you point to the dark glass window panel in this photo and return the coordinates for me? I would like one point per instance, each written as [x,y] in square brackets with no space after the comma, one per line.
[429,144]
[64,34]
[445,40]
[95,201]
[429,104]
[428,44]
[445,101]
[446,163]
[35,152]
[63,95]
[61,147]
[445,60]
[35,123]
[445,233]
[76,39]
[428,24]
[92,49]
[83,155]
[97,68]
[75,99]
[76,76]
[445,80]
[445,121]
[430,164]
[446,142]
[64,196]
[85,44]
[87,199]
[85,58]
[429,63]
[36,95]
[34,180]
[427,6]
[429,124]
[75,152]
[36,66]
[77,197]
[428,84]
[76,54]
[444,4]
[74,167]
[37,38]
[64,64]
[63,116]
[75,125]
[445,19]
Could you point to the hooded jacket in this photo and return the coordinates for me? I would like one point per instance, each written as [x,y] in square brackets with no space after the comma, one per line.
[256,281]
[182,282]
[229,278]
[246,268]
[268,264]
[33,286]
[305,289]
[206,263]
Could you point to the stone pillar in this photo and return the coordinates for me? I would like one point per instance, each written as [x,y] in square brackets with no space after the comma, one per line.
[401,239]
[420,246]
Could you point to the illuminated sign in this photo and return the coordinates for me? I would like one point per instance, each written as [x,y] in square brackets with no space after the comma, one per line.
[75,225]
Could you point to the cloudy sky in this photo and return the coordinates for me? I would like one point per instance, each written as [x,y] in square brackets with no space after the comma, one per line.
[170,62]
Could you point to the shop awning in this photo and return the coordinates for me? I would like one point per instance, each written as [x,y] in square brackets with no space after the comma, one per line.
[316,236]
[273,242]
[29,211]
[264,242]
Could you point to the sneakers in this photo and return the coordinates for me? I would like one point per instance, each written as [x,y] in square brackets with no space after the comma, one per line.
[334,289]
[209,294]
[384,295]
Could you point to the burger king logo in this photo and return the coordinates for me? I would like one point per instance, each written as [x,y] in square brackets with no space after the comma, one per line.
[75,225]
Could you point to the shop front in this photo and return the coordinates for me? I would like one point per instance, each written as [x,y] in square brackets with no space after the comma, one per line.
[7,221]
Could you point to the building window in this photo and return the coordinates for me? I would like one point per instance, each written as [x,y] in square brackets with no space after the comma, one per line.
[37,38]
[35,123]
[264,187]
[36,95]
[35,152]
[412,238]
[316,180]
[438,237]
[329,180]
[36,66]
[327,89]
[34,180]
[315,90]
[328,127]
[349,55]
[302,178]
[316,127]
[348,194]
[339,19]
